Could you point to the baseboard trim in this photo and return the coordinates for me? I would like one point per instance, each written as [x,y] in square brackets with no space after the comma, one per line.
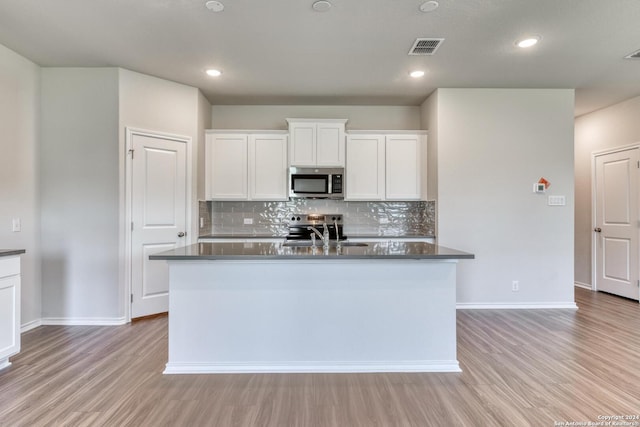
[516,306]
[311,367]
[583,286]
[84,321]
[30,325]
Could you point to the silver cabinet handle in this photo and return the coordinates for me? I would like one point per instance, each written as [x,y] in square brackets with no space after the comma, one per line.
[597,230]
[182,234]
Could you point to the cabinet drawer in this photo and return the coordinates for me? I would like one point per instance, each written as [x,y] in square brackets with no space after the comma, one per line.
[9,266]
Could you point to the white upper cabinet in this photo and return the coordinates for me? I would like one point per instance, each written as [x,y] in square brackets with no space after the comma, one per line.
[317,142]
[365,169]
[386,166]
[268,167]
[403,167]
[227,166]
[246,165]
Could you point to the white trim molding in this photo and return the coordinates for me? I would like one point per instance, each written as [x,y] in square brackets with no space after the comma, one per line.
[25,327]
[319,366]
[583,286]
[84,321]
[516,306]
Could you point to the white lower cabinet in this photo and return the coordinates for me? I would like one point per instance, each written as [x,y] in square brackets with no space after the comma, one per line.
[386,166]
[9,308]
[246,166]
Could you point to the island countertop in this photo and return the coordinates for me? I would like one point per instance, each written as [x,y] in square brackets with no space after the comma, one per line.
[276,250]
[10,252]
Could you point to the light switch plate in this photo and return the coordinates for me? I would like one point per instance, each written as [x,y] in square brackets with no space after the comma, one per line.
[16,225]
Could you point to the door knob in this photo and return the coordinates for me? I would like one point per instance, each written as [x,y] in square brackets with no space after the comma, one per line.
[182,234]
[597,229]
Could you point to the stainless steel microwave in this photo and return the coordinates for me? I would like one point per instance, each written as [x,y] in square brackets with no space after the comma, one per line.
[316,183]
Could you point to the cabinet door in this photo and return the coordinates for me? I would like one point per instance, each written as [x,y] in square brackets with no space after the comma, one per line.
[227,166]
[303,144]
[330,145]
[9,308]
[268,167]
[403,154]
[365,168]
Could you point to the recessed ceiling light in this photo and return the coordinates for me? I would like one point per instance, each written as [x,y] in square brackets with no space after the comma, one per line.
[429,6]
[528,42]
[214,6]
[321,6]
[416,74]
[213,73]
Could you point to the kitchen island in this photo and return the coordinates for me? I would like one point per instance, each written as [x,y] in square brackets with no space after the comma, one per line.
[265,307]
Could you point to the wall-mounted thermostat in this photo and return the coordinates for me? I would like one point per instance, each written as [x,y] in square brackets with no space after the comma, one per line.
[539,187]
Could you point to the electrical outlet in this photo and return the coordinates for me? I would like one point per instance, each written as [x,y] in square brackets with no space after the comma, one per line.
[248,221]
[515,286]
[201,222]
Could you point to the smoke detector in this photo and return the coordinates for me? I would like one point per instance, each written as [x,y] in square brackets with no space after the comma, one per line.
[214,6]
[429,6]
[321,6]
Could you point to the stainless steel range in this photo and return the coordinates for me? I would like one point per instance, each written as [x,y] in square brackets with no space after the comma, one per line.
[299,225]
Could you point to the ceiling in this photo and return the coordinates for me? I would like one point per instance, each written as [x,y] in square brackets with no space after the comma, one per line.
[283,52]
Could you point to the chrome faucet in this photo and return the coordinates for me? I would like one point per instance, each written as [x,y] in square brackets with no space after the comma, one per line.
[335,224]
[324,238]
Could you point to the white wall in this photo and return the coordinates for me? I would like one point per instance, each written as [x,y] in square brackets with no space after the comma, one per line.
[19,107]
[493,144]
[273,116]
[612,127]
[79,194]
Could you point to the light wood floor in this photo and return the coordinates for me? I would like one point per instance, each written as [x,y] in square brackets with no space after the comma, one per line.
[521,368]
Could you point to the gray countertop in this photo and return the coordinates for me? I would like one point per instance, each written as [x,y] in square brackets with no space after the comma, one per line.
[351,235]
[9,252]
[275,250]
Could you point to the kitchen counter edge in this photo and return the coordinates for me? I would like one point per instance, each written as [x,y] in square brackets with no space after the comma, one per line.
[10,252]
[275,251]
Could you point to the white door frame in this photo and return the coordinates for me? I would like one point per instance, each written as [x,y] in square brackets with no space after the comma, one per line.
[594,155]
[128,202]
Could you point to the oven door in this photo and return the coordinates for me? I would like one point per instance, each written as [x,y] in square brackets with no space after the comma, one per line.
[309,185]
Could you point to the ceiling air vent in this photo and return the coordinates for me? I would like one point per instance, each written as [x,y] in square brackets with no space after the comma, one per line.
[634,55]
[425,46]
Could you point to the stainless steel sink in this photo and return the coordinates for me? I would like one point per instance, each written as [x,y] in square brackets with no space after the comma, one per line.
[307,244]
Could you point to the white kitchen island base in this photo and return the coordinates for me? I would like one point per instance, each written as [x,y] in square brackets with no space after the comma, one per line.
[325,315]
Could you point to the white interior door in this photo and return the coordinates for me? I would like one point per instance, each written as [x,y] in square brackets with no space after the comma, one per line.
[616,223]
[158,214]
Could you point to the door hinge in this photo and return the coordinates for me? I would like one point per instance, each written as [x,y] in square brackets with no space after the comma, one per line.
[131,298]
[131,150]
[131,225]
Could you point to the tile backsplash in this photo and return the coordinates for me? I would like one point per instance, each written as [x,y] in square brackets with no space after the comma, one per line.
[360,218]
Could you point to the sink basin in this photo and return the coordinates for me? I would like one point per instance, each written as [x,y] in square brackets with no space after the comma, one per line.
[307,244]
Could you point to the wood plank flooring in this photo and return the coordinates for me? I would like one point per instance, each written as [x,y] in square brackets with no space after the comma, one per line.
[520,368]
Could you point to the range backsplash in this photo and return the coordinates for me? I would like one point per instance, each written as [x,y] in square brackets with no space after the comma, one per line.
[360,218]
